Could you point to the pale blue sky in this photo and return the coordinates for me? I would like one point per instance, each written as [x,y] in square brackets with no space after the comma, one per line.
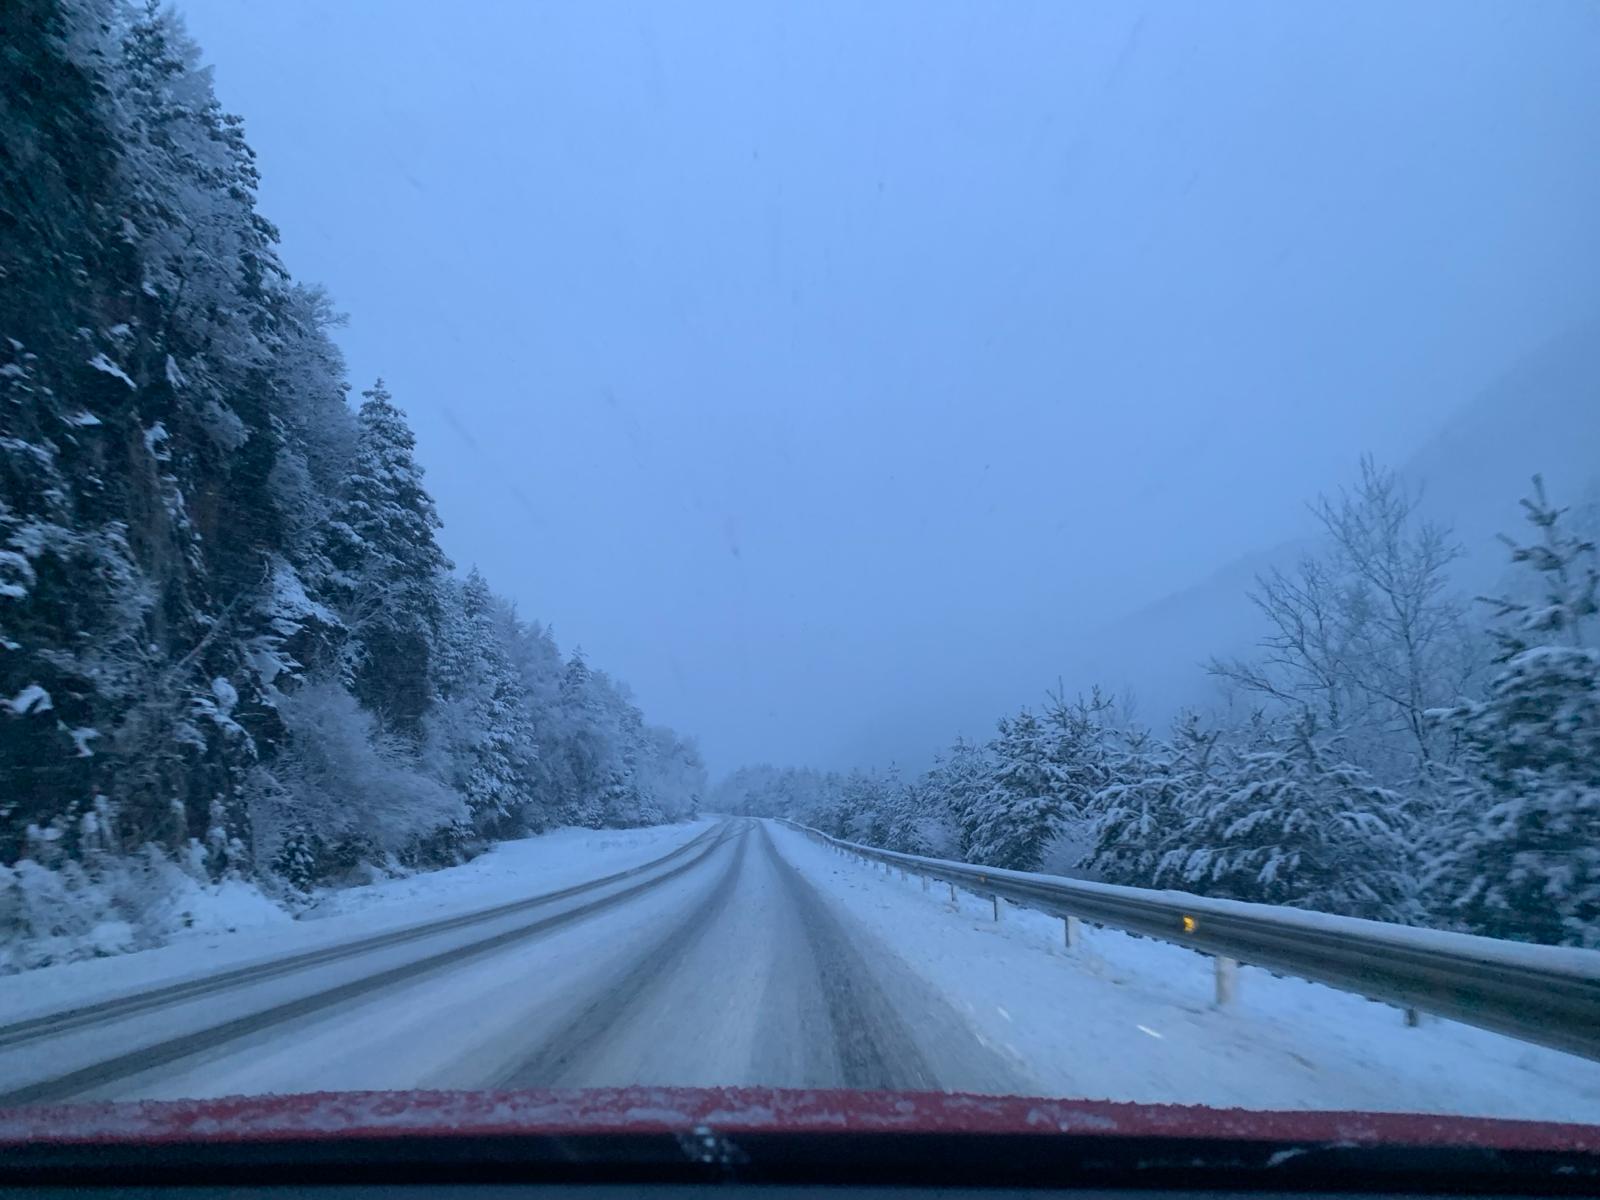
[810,362]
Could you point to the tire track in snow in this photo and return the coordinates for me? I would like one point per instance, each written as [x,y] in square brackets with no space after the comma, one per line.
[871,1042]
[565,1055]
[146,1058]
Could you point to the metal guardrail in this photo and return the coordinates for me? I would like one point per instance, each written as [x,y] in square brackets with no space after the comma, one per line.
[1544,994]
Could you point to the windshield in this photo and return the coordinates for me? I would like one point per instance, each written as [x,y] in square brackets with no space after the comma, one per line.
[1039,550]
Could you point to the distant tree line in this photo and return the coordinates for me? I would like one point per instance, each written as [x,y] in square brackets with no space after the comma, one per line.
[1381,755]
[228,632]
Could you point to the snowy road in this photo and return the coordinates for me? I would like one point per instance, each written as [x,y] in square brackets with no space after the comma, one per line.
[722,966]
[741,953]
[756,981]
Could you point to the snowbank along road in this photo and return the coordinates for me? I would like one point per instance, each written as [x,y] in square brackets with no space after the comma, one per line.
[746,955]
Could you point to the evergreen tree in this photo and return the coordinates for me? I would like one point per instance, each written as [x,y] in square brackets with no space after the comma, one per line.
[1023,809]
[478,727]
[916,821]
[386,563]
[1143,809]
[584,745]
[958,786]
[1524,856]
[1295,824]
[861,799]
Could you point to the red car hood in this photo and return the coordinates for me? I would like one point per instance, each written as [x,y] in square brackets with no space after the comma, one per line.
[742,1111]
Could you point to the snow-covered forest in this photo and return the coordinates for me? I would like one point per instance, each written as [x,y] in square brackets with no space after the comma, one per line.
[1391,750]
[234,650]
[234,646]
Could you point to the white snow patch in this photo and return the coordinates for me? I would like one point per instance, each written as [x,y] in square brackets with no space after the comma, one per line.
[32,698]
[101,363]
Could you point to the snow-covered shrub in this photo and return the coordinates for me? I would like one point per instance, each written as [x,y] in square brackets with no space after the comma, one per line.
[115,904]
[359,791]
[49,916]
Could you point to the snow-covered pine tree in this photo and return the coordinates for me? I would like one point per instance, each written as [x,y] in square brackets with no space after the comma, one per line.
[1081,736]
[863,799]
[1022,811]
[477,728]
[386,564]
[672,774]
[1524,861]
[1141,812]
[298,629]
[584,748]
[624,801]
[957,787]
[918,822]
[1293,823]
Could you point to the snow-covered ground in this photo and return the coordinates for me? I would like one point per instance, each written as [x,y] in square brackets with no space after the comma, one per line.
[243,928]
[1126,1018]
[759,958]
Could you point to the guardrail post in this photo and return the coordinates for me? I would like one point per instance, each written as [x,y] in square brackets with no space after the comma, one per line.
[997,906]
[952,893]
[1413,1018]
[1227,981]
[1071,931]
[924,883]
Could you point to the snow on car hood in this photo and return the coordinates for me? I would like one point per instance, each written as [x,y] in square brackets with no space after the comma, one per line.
[641,1110]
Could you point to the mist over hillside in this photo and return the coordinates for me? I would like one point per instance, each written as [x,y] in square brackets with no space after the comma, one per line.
[1542,414]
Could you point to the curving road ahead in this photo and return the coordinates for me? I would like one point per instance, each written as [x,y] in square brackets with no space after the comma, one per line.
[719,964]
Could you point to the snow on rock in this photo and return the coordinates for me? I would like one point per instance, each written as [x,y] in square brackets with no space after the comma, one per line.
[32,698]
[101,363]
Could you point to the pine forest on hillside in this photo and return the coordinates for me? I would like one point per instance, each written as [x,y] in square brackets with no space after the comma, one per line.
[234,646]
